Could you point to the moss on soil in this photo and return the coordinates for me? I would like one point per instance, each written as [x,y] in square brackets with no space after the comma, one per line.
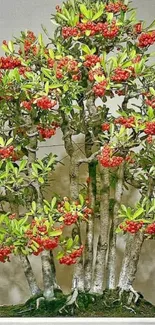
[107,305]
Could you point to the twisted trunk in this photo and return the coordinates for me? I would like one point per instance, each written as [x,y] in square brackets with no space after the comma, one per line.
[111,266]
[100,266]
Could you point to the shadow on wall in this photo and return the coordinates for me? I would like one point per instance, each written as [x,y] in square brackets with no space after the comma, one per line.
[13,285]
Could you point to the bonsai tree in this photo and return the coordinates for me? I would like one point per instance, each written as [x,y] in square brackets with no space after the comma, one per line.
[99,53]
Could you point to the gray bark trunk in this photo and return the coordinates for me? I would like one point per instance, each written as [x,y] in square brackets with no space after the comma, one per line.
[100,267]
[131,259]
[48,277]
[111,267]
[34,289]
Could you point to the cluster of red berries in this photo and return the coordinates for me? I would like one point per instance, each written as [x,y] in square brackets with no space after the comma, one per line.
[50,62]
[70,218]
[28,43]
[6,152]
[23,70]
[150,128]
[46,103]
[70,32]
[120,92]
[132,226]
[9,63]
[107,160]
[46,133]
[105,127]
[146,39]
[50,244]
[26,104]
[58,9]
[100,88]
[121,75]
[96,72]
[136,60]
[138,28]
[68,65]
[109,31]
[91,60]
[4,254]
[150,229]
[116,7]
[129,158]
[128,122]
[87,211]
[149,139]
[151,102]
[71,258]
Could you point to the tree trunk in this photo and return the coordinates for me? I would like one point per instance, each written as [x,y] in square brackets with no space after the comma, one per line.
[34,289]
[100,267]
[48,277]
[88,267]
[30,277]
[111,267]
[130,261]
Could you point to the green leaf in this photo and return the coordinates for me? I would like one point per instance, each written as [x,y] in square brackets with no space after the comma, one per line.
[47,87]
[59,255]
[5,48]
[138,213]
[67,206]
[69,244]
[76,240]
[2,143]
[98,14]
[34,206]
[152,91]
[40,40]
[151,26]
[46,72]
[62,16]
[11,46]
[51,53]
[85,11]
[41,180]
[81,199]
[85,48]
[110,16]
[55,233]
[53,203]
[54,86]
[9,141]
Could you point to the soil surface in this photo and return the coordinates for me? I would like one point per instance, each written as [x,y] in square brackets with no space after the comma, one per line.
[107,305]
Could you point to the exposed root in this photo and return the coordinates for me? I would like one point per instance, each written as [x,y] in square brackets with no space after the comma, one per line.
[71,301]
[38,302]
[133,293]
[129,308]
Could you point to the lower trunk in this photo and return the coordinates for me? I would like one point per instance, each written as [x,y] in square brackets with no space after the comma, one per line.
[48,277]
[34,289]
[130,261]
[100,266]
[78,277]
[88,266]
[111,268]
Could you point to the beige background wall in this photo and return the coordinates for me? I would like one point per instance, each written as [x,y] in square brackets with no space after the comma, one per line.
[18,15]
